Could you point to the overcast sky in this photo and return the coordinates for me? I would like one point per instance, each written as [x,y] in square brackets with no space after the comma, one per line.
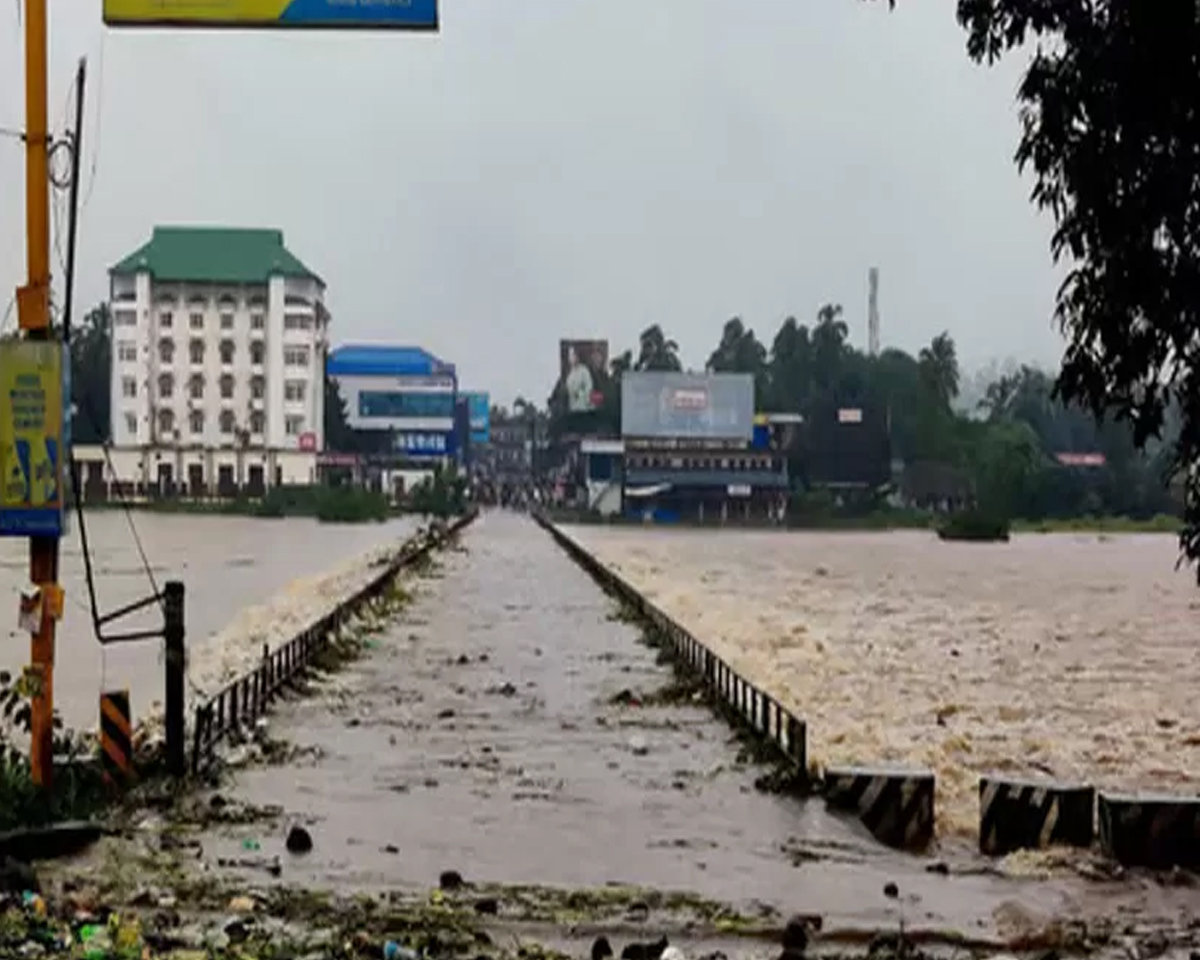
[549,168]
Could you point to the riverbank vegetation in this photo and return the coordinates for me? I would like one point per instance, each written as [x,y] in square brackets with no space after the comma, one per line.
[1005,444]
[79,791]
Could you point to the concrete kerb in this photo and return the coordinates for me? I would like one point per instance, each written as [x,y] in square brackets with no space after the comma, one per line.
[227,711]
[738,700]
[896,806]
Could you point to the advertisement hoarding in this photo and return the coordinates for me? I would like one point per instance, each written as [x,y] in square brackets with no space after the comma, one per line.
[31,438]
[278,14]
[424,444]
[479,407]
[694,406]
[583,368]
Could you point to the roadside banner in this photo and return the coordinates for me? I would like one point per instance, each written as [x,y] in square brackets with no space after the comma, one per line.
[31,438]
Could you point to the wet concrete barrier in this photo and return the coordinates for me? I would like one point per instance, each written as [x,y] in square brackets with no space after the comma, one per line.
[116,739]
[1150,831]
[1017,814]
[242,702]
[739,699]
[896,805]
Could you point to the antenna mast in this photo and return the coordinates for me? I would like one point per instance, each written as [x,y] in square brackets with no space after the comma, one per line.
[873,311]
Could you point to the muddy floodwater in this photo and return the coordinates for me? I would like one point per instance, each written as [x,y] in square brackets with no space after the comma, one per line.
[228,565]
[480,734]
[1069,655]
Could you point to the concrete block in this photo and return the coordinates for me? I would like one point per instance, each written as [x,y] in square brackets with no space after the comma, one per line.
[1033,814]
[1151,831]
[896,805]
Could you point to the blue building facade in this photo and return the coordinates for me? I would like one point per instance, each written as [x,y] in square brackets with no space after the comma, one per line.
[404,391]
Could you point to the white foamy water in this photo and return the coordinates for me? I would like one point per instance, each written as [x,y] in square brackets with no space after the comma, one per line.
[248,581]
[1073,655]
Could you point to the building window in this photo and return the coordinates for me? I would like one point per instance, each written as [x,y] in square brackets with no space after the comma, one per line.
[166,351]
[196,387]
[196,321]
[166,422]
[227,321]
[127,351]
[297,321]
[131,422]
[227,387]
[227,300]
[165,320]
[227,421]
[295,357]
[128,387]
[125,318]
[294,390]
[196,350]
[258,321]
[166,386]
[257,421]
[196,421]
[293,426]
[258,388]
[227,351]
[257,352]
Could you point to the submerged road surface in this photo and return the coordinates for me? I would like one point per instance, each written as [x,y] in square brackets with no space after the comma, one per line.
[481,735]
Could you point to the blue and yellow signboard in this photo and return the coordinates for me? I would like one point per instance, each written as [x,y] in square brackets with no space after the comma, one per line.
[281,14]
[31,438]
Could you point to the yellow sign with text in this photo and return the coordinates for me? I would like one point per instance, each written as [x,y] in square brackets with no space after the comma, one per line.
[351,14]
[31,438]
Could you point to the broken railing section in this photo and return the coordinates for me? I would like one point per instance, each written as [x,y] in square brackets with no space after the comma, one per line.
[240,703]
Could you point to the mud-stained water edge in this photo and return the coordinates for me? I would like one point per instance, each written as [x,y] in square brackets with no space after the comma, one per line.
[489,731]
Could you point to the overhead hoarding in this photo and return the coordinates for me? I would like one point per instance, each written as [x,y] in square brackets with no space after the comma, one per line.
[479,409]
[583,368]
[692,406]
[31,438]
[275,14]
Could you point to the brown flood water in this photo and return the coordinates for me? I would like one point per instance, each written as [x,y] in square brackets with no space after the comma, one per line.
[227,564]
[1072,655]
[479,736]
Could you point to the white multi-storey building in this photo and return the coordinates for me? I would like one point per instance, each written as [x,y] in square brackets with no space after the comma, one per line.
[219,340]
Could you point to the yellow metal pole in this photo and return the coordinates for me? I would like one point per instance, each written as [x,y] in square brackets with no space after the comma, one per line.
[34,318]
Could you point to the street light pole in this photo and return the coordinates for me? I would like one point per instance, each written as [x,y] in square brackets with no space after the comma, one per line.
[34,318]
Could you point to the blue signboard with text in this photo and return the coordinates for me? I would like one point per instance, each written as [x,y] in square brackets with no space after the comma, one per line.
[424,444]
[480,411]
[278,14]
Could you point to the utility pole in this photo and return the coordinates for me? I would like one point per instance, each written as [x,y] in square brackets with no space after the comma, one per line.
[33,303]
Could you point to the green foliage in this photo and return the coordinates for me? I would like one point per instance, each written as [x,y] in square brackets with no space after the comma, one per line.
[442,495]
[78,788]
[91,370]
[1109,133]
[345,504]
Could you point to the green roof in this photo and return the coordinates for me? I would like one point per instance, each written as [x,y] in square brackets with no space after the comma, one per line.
[214,255]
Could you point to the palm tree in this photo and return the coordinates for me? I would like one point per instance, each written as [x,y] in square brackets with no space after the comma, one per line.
[656,352]
[829,343]
[939,368]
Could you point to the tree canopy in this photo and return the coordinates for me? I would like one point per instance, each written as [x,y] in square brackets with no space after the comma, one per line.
[1004,452]
[1110,129]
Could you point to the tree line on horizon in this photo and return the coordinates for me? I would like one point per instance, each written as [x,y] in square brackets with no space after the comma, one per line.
[1001,455]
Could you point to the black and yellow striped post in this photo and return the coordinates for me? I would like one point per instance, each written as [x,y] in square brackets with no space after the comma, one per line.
[116,739]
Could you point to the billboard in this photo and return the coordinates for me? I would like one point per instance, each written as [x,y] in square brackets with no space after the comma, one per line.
[31,438]
[583,368]
[693,406]
[479,407]
[279,14]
